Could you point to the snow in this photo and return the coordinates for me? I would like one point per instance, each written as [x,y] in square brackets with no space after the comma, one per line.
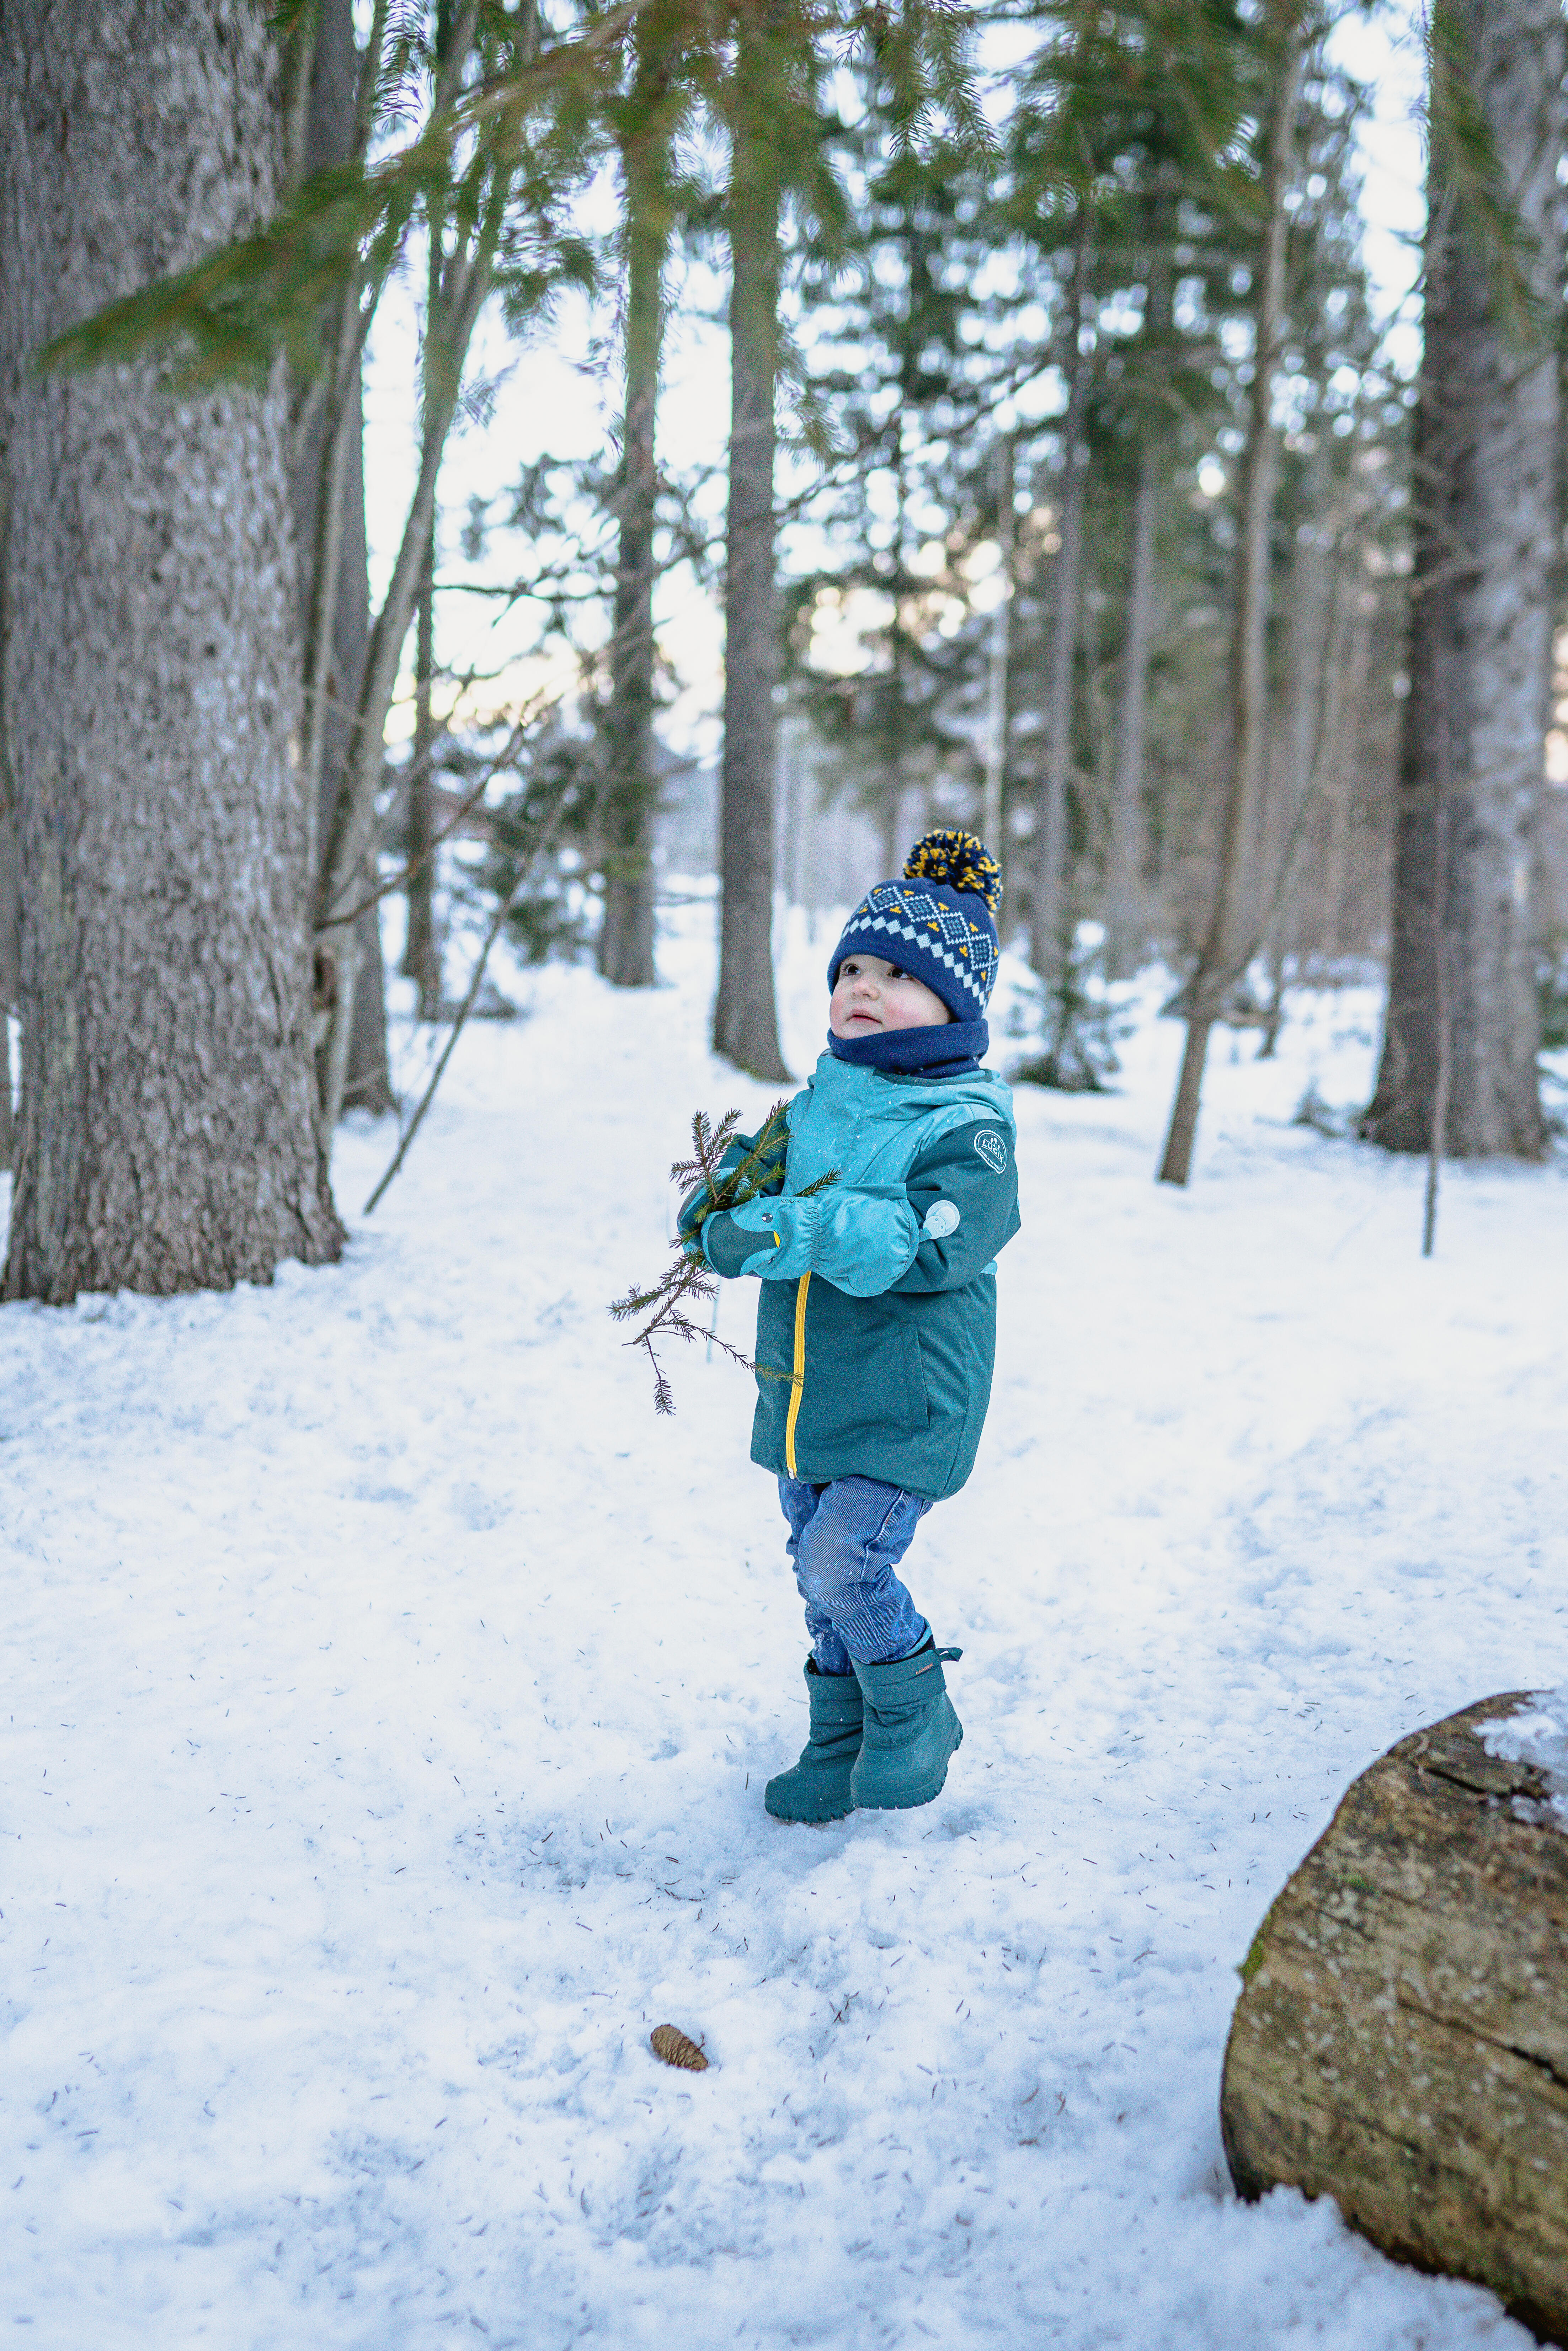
[1537,1734]
[390,1696]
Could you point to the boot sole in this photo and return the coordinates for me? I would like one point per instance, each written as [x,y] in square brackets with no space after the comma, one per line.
[807,1820]
[914,1804]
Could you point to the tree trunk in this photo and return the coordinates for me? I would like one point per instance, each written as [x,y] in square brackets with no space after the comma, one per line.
[150,687]
[10,970]
[1223,952]
[746,1027]
[1308,588]
[1283,810]
[328,138]
[1123,929]
[626,937]
[1483,600]
[367,1081]
[10,910]
[1400,2042]
[422,948]
[467,281]
[998,664]
[1350,730]
[1048,913]
[421,953]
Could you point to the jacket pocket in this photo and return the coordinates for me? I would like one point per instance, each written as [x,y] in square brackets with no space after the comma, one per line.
[915,1380]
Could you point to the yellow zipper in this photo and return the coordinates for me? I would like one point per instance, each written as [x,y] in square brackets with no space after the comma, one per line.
[799,1389]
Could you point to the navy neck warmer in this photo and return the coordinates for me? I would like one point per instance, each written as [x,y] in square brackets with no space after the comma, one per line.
[948,1050]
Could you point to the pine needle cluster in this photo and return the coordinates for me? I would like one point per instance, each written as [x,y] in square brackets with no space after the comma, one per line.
[688,1278]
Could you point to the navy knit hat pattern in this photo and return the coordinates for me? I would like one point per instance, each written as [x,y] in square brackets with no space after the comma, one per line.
[937,922]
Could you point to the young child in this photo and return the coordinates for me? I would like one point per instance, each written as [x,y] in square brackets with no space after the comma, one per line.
[876,1322]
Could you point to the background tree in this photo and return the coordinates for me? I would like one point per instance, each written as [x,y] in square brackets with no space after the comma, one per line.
[767,102]
[336,115]
[151,679]
[1459,1068]
[645,120]
[1224,953]
[421,943]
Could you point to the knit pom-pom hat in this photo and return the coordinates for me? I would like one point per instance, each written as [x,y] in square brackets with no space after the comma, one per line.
[937,922]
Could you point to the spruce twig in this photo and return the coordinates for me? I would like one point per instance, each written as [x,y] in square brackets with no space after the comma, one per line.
[687,1282]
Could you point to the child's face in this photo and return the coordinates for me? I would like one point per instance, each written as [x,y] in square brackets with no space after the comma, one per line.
[869,995]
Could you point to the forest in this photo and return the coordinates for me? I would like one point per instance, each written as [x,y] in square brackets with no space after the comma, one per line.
[1081,486]
[514,514]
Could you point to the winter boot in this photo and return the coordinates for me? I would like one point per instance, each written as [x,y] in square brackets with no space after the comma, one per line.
[911,1730]
[818,1788]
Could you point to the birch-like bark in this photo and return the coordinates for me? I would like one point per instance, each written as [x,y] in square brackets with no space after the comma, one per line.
[150,684]
[1483,598]
[1223,943]
[746,1026]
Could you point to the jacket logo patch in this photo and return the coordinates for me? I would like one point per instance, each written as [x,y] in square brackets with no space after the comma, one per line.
[992,1150]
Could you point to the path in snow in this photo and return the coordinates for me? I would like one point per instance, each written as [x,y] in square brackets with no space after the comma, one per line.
[390,1696]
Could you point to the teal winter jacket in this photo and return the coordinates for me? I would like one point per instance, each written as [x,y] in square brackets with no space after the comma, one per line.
[876,1325]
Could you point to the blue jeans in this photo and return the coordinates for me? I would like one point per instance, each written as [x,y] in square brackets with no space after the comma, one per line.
[845,1540]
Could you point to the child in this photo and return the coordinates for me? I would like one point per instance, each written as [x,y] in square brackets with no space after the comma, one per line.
[876,1322]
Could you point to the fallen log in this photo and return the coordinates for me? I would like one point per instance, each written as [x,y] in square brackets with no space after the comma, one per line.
[1401,2041]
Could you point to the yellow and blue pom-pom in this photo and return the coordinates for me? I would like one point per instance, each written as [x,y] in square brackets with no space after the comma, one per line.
[958,860]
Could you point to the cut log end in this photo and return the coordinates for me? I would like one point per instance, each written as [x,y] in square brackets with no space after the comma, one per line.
[1401,2042]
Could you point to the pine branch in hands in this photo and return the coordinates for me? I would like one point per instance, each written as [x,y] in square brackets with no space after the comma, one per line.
[760,1170]
[688,1279]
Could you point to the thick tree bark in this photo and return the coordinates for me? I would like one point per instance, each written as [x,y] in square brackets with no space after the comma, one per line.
[1223,953]
[151,680]
[1400,2042]
[626,937]
[746,1026]
[1483,602]
[1049,911]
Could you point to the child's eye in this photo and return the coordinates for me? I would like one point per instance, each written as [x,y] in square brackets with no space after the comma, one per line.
[896,971]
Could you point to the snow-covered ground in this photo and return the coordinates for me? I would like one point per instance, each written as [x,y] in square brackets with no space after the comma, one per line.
[389,1697]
